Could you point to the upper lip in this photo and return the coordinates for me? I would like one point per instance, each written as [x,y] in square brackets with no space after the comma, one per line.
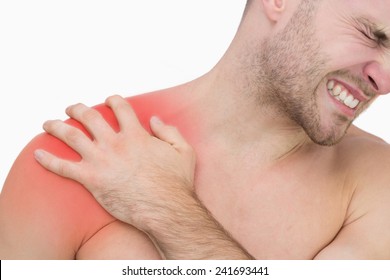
[358,94]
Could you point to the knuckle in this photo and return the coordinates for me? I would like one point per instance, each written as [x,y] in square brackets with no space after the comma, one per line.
[48,162]
[73,109]
[62,169]
[89,115]
[72,135]
[121,106]
[109,99]
[117,102]
[113,100]
[116,97]
[48,125]
[52,125]
[112,97]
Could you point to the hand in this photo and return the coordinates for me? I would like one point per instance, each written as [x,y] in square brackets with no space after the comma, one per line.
[131,173]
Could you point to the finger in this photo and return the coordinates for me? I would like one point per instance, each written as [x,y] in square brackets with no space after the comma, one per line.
[127,119]
[70,135]
[59,166]
[169,134]
[91,119]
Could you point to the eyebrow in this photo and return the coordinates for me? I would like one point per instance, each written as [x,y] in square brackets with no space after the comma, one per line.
[377,31]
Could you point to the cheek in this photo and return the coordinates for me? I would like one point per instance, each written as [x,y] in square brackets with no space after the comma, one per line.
[339,39]
[347,55]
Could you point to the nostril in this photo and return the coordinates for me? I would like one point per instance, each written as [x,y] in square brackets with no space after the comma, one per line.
[373,83]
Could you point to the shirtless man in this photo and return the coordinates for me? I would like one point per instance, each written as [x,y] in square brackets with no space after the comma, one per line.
[279,165]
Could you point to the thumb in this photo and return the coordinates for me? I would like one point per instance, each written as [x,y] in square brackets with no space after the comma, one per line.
[167,133]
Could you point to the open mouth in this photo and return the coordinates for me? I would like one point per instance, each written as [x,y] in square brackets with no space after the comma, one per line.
[342,94]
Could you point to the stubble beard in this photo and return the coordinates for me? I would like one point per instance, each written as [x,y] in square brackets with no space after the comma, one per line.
[291,70]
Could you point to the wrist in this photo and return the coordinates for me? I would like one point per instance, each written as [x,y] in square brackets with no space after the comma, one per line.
[175,213]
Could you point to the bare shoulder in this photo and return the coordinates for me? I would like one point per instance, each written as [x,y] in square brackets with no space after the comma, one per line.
[366,230]
[45,216]
[365,151]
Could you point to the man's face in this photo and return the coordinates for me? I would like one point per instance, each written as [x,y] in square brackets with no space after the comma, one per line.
[326,66]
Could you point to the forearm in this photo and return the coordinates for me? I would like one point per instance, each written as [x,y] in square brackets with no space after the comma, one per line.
[186,230]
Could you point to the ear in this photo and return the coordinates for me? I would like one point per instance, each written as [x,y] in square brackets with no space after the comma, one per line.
[274,8]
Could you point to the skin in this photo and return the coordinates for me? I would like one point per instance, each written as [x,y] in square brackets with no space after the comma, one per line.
[280,173]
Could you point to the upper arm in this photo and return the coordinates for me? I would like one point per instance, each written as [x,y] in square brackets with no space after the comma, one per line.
[366,230]
[366,238]
[118,240]
[44,216]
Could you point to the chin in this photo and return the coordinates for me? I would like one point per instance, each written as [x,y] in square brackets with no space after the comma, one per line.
[327,142]
[328,136]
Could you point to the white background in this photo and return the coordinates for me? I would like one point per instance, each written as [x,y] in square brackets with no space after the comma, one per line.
[56,53]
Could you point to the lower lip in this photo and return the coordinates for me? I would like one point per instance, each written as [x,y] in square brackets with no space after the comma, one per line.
[342,107]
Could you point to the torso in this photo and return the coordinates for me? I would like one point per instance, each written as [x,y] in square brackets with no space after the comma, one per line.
[288,210]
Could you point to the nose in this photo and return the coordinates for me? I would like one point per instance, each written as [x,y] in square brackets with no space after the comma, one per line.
[378,76]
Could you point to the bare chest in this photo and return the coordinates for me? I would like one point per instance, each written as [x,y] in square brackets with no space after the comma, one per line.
[289,212]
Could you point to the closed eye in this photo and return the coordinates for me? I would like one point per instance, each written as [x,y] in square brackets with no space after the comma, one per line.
[372,32]
[371,37]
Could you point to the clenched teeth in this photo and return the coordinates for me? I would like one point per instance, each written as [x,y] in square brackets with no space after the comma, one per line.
[342,94]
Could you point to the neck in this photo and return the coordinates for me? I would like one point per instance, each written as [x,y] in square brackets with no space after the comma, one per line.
[234,115]
[234,107]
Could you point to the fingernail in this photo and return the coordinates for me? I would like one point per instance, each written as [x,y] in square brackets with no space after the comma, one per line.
[38,154]
[156,120]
